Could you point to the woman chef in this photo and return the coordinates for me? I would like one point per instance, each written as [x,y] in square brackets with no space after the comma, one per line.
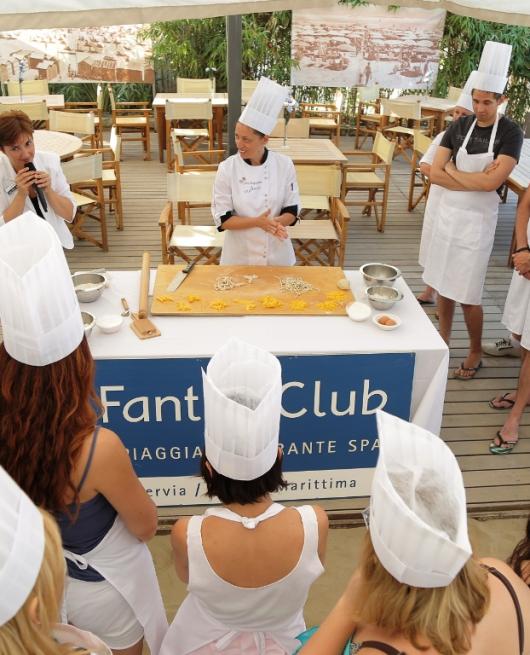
[255,195]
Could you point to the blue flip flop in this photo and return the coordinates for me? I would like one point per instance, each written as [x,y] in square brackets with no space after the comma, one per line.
[504,447]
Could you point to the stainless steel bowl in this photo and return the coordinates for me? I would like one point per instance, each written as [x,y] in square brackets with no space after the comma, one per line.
[379,274]
[382,297]
[88,286]
[89,320]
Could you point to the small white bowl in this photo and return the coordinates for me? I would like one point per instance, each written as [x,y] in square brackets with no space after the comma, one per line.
[109,323]
[395,318]
[358,311]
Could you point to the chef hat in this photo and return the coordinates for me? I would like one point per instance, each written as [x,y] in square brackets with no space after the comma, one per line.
[262,110]
[39,310]
[465,100]
[242,400]
[418,522]
[492,73]
[21,546]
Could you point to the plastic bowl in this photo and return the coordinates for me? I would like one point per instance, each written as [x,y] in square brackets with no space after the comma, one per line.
[89,320]
[88,286]
[109,323]
[358,311]
[379,274]
[377,318]
[382,297]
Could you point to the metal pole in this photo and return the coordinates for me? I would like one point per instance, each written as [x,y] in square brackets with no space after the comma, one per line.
[233,69]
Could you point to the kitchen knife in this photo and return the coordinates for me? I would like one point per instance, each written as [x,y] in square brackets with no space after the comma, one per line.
[180,277]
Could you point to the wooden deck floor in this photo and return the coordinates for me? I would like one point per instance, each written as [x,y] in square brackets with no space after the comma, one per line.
[494,484]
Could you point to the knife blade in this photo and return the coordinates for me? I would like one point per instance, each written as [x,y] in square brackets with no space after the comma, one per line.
[180,277]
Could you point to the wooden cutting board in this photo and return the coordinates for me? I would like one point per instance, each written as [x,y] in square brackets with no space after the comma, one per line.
[197,296]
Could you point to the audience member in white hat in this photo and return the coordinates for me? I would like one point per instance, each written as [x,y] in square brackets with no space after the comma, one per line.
[255,195]
[464,107]
[18,184]
[464,229]
[50,445]
[249,563]
[418,588]
[516,318]
[32,582]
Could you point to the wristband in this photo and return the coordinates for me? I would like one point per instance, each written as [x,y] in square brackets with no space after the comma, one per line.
[524,249]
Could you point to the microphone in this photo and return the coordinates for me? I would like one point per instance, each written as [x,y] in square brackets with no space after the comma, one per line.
[40,193]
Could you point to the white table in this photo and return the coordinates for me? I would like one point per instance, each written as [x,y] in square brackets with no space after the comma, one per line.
[64,145]
[128,390]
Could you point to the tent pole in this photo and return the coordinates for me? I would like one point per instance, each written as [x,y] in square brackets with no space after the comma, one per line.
[233,68]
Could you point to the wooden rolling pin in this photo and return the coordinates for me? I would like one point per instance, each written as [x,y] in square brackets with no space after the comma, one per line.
[144,285]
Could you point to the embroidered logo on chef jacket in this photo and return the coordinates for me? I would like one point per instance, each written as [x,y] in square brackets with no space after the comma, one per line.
[251,186]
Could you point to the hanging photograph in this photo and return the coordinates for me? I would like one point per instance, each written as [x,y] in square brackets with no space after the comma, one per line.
[365,46]
[92,54]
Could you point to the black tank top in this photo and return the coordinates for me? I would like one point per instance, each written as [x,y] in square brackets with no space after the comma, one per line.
[355,647]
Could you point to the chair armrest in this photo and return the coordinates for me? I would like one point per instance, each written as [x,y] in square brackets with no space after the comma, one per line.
[133,111]
[166,216]
[139,103]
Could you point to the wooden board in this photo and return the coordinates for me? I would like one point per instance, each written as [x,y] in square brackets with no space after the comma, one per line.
[247,299]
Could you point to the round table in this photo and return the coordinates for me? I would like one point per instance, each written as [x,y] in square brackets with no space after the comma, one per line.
[64,145]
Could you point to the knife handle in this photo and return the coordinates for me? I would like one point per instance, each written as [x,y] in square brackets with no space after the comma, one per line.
[189,267]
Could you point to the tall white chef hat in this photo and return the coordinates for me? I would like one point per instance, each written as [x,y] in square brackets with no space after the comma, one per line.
[262,110]
[40,314]
[21,546]
[418,522]
[492,73]
[465,100]
[242,389]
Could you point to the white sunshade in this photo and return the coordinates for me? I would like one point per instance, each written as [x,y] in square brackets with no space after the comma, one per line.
[93,13]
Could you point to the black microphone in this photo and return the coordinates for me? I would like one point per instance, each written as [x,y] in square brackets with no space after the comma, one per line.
[40,193]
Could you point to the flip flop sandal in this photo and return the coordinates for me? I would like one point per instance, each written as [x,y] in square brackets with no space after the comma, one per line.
[502,399]
[504,447]
[422,301]
[471,369]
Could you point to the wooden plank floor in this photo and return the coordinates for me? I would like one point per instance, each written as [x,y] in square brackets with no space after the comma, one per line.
[493,483]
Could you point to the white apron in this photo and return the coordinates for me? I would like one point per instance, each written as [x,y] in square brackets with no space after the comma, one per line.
[249,191]
[516,316]
[126,563]
[463,233]
[431,206]
[217,611]
[69,634]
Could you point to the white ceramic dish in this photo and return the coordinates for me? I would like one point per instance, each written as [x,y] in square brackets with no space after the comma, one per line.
[358,311]
[395,318]
[109,323]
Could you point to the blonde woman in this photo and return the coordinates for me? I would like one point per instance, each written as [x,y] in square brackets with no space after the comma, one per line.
[32,577]
[418,590]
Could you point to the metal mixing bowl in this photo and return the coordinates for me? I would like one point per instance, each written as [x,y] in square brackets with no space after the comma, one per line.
[382,297]
[378,274]
[95,283]
[89,320]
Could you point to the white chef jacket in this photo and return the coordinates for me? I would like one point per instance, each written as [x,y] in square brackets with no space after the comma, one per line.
[247,190]
[43,161]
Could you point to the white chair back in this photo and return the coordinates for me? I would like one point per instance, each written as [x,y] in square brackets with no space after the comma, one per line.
[81,169]
[191,187]
[453,93]
[29,87]
[247,89]
[368,93]
[72,122]
[402,109]
[296,128]
[115,143]
[319,180]
[200,108]
[421,142]
[35,111]
[384,148]
[195,85]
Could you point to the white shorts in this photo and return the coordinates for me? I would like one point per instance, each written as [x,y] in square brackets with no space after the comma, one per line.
[99,608]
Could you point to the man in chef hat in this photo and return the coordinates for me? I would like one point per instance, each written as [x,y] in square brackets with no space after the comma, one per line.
[32,575]
[255,195]
[464,229]
[464,107]
[418,587]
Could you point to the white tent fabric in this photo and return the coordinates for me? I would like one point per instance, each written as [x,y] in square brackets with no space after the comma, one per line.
[17,15]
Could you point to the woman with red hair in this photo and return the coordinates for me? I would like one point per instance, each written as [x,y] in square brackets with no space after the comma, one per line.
[51,446]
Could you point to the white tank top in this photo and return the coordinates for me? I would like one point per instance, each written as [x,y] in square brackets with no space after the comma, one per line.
[217,611]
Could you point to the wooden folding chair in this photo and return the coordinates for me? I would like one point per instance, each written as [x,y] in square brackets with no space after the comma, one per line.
[81,124]
[194,109]
[94,107]
[204,241]
[296,128]
[320,242]
[417,179]
[369,119]
[29,88]
[195,85]
[247,89]
[324,117]
[85,176]
[401,133]
[37,112]
[363,178]
[132,118]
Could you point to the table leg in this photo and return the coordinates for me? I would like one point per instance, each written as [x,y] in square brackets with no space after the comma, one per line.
[161,131]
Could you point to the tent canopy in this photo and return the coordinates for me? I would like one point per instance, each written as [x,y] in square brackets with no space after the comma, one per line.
[94,13]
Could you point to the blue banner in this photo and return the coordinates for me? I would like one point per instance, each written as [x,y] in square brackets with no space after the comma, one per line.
[328,409]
